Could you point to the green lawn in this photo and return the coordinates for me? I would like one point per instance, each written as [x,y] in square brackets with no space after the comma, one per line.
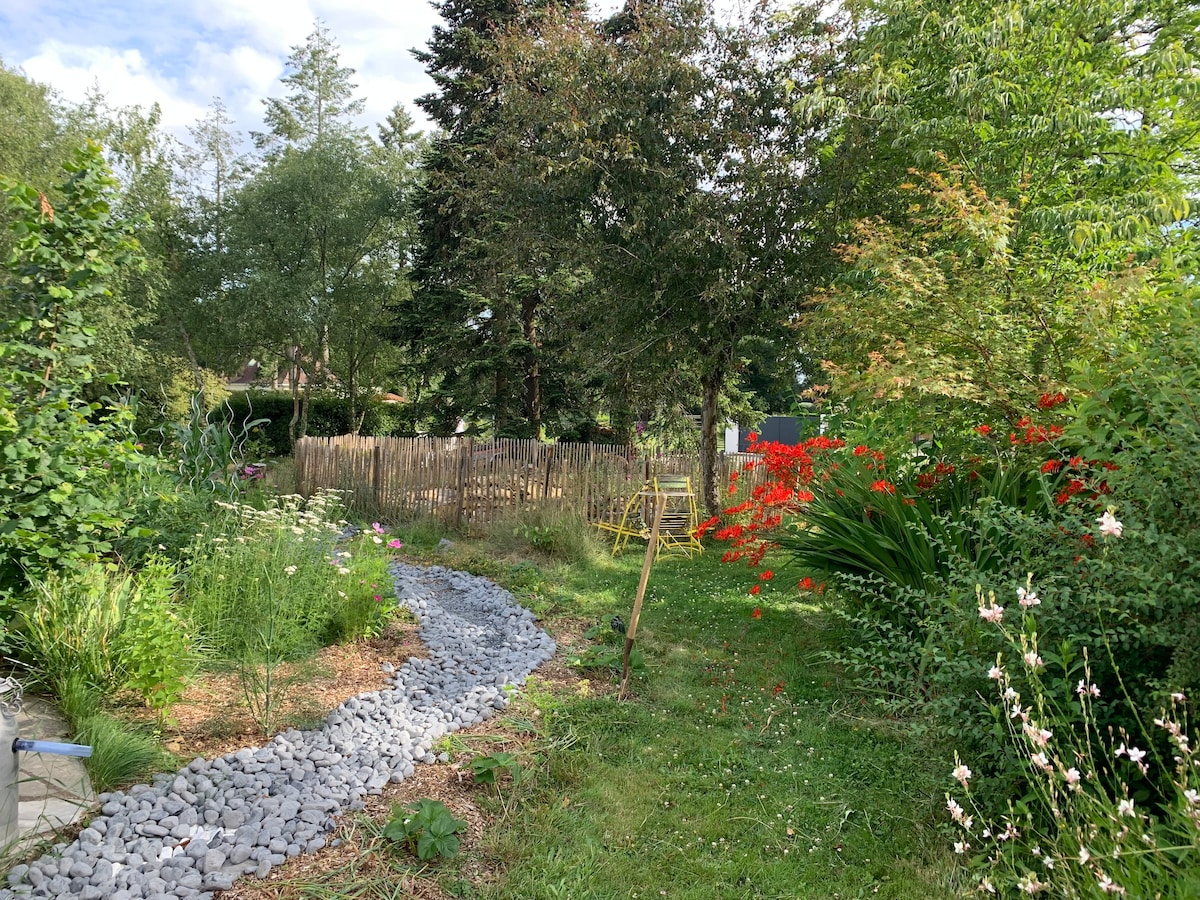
[741,768]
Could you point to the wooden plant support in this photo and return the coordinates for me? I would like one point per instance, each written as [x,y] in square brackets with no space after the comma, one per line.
[651,551]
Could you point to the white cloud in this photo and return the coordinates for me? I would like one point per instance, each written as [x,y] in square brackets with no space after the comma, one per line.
[124,78]
[183,54]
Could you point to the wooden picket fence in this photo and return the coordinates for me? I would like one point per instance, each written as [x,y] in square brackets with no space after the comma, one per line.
[469,484]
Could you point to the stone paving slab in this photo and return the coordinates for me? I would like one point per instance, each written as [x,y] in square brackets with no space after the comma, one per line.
[54,791]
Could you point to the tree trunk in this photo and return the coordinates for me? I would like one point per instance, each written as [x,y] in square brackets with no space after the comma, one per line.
[352,397]
[295,402]
[302,431]
[533,387]
[711,383]
[620,415]
[197,375]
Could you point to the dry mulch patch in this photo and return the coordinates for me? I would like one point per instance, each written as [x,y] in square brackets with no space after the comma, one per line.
[213,718]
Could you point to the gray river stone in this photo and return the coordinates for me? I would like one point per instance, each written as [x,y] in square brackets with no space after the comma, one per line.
[195,831]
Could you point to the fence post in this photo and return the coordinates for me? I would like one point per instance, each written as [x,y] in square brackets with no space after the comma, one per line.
[464,457]
[377,475]
[549,465]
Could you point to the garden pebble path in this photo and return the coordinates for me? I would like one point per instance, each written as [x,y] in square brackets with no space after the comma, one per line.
[197,831]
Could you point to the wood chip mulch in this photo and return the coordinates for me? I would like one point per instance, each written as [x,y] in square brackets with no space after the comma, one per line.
[213,719]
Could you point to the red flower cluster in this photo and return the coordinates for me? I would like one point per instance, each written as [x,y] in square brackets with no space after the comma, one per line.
[1035,434]
[789,470]
[1049,401]
[928,480]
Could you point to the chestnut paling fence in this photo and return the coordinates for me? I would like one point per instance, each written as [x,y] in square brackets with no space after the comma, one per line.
[469,484]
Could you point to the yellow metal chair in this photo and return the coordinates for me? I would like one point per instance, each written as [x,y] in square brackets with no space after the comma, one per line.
[680,518]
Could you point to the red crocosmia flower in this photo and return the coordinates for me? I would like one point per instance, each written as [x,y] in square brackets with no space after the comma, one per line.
[1049,401]
[985,430]
[861,449]
[883,487]
[805,583]
[752,436]
[757,614]
[755,590]
[767,575]
[1051,466]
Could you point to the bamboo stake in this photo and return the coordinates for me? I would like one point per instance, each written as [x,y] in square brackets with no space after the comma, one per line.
[631,631]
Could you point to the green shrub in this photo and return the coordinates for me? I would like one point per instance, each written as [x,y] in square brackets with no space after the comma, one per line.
[109,631]
[1084,825]
[64,455]
[166,514]
[328,416]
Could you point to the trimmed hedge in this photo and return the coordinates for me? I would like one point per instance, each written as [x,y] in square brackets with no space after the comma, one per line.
[327,417]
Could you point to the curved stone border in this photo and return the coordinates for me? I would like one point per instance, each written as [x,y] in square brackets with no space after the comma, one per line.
[197,831]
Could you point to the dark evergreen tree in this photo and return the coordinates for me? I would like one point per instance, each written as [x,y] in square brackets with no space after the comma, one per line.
[476,324]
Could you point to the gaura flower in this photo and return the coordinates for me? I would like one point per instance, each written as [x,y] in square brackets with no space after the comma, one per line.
[1109,526]
[1032,659]
[1125,807]
[1027,598]
[962,774]
[991,613]
[995,673]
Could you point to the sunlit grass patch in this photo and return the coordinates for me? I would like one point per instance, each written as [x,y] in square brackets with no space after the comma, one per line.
[738,769]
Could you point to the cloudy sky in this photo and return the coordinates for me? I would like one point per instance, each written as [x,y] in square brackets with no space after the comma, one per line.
[183,53]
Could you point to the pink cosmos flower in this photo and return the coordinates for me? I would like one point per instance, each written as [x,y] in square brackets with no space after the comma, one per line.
[395,544]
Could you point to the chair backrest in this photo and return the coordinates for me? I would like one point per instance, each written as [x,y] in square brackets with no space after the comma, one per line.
[668,482]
